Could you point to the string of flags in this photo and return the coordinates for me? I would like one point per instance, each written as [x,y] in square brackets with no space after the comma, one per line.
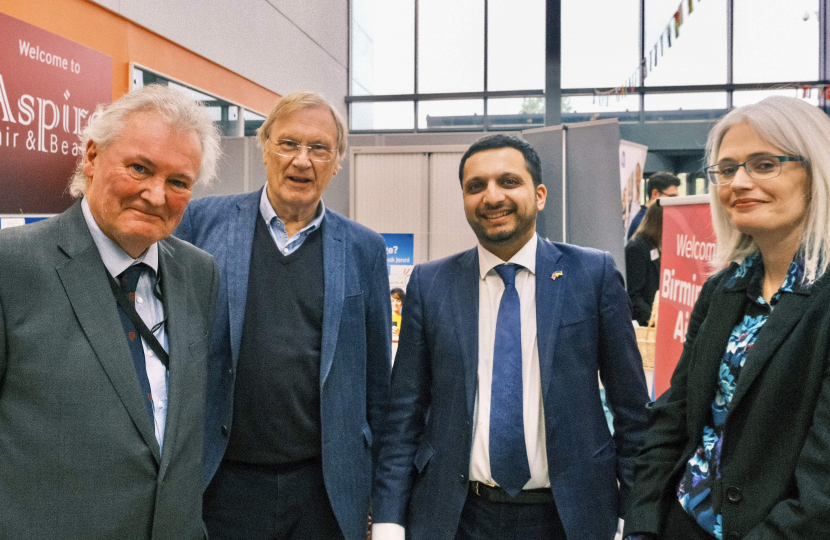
[647,65]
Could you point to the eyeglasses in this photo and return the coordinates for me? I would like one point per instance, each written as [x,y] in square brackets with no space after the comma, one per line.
[291,149]
[759,168]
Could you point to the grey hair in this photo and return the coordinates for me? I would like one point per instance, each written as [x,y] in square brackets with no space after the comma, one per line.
[798,129]
[302,100]
[181,111]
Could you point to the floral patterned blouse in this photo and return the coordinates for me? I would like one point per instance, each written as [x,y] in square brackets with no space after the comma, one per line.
[702,470]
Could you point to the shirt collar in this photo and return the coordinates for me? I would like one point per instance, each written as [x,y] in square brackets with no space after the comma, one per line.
[750,274]
[116,259]
[269,215]
[525,257]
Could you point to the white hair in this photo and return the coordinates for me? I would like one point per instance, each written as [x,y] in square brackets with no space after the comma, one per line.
[798,129]
[181,111]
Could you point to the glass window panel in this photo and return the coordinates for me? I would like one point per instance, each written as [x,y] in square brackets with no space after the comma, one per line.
[697,54]
[450,46]
[692,106]
[516,45]
[383,47]
[383,115]
[600,42]
[252,122]
[748,97]
[516,112]
[586,108]
[775,41]
[456,113]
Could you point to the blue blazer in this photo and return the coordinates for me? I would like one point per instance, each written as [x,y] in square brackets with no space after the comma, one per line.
[584,327]
[356,350]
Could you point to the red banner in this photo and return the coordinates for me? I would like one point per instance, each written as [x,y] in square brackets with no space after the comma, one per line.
[685,263]
[49,88]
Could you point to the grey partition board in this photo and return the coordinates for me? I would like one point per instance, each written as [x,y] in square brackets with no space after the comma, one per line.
[548,144]
[593,187]
[240,169]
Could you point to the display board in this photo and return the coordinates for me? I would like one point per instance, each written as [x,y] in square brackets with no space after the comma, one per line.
[49,88]
[632,164]
[686,261]
[580,168]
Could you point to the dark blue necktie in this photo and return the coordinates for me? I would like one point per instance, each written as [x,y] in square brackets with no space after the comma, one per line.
[508,453]
[128,280]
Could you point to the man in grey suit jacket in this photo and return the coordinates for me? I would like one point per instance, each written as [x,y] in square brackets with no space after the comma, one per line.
[300,354]
[101,433]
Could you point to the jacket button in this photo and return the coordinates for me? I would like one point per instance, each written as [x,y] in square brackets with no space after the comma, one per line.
[462,478]
[224,430]
[230,373]
[733,494]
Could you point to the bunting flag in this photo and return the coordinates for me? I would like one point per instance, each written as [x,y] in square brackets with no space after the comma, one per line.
[661,44]
[691,7]
[668,34]
[677,24]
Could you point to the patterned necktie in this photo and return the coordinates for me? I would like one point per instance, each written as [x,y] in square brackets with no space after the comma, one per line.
[128,280]
[508,453]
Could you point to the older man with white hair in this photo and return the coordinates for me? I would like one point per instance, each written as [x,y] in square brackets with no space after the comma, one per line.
[103,337]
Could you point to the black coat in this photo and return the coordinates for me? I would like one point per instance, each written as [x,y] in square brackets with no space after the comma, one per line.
[775,463]
[642,278]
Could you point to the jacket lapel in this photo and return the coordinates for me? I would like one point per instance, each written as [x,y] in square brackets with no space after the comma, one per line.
[549,293]
[173,289]
[237,264]
[334,277]
[725,310]
[465,314]
[84,278]
[788,313]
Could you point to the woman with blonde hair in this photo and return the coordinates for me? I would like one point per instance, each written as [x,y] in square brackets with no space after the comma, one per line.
[739,446]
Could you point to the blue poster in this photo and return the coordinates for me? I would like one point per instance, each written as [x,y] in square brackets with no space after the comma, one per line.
[400,259]
[7,221]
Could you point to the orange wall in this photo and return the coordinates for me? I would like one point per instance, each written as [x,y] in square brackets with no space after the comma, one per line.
[102,30]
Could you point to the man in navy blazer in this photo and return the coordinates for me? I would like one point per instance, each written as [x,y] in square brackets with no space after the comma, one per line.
[450,466]
[300,358]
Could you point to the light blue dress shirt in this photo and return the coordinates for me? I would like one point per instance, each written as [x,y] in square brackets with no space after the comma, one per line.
[277,228]
[149,308]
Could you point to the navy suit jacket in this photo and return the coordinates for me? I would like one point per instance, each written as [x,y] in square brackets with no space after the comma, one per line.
[356,350]
[584,327]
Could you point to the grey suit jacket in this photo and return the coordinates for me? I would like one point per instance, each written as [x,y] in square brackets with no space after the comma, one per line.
[78,454]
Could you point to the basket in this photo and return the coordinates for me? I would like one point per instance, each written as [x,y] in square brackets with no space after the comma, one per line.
[646,342]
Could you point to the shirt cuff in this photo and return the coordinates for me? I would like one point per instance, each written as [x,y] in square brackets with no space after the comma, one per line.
[387,531]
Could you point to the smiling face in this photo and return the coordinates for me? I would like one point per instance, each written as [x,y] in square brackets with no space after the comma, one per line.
[138,187]
[768,210]
[500,200]
[295,185]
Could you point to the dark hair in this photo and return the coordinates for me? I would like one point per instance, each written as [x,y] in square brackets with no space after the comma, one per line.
[398,293]
[651,228]
[661,181]
[493,142]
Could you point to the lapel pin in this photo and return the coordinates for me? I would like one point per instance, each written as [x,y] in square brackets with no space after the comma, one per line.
[556,275]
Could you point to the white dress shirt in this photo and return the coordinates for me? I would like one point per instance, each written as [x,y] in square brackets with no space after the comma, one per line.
[149,308]
[490,289]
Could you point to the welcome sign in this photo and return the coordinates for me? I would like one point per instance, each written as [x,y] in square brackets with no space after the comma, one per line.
[49,89]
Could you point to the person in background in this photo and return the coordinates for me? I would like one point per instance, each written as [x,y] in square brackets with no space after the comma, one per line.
[397,297]
[739,445]
[642,264]
[301,349]
[103,337]
[495,426]
[659,184]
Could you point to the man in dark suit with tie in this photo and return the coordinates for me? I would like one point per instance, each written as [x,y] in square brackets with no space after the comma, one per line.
[495,427]
[103,337]
[300,355]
